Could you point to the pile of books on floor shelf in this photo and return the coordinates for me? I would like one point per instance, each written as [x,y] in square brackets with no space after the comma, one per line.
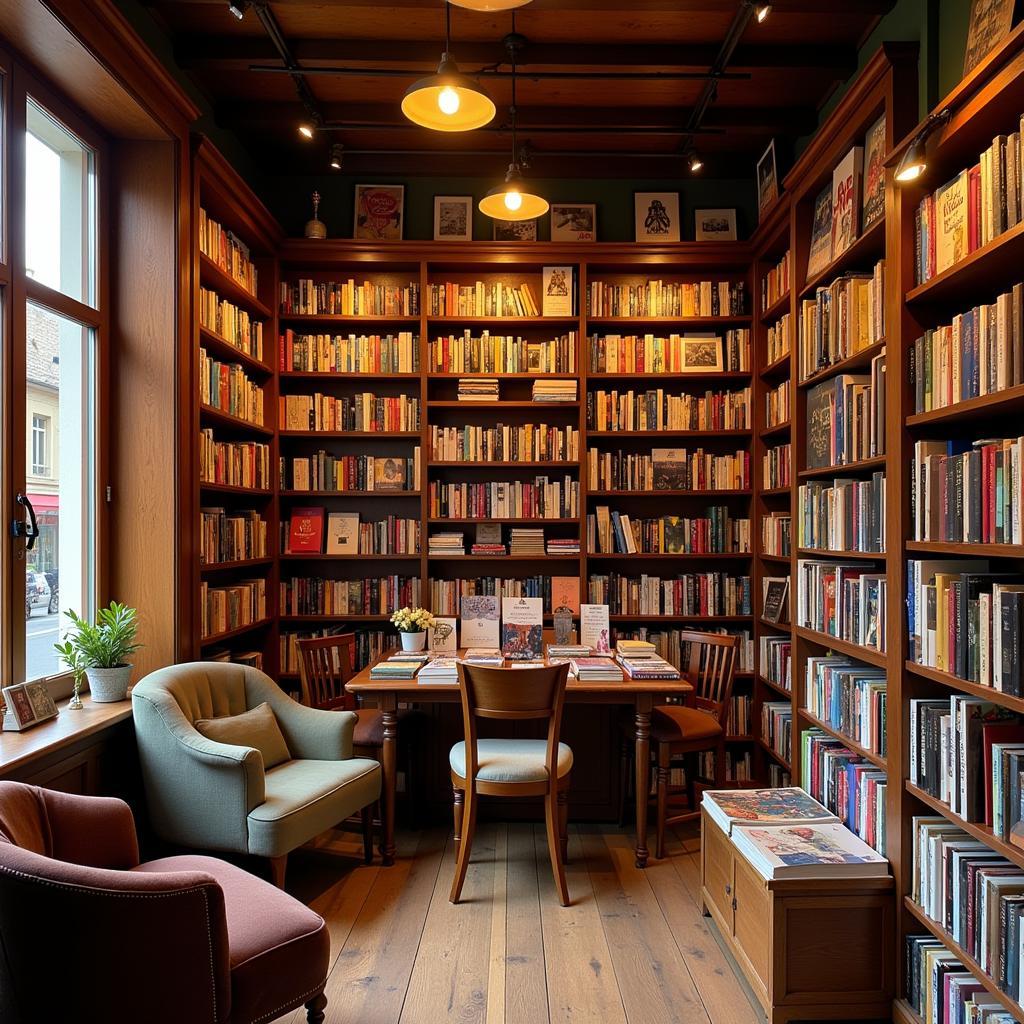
[554,390]
[478,389]
[446,544]
[785,833]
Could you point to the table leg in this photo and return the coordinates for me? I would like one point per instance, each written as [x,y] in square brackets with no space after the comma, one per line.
[643,776]
[389,719]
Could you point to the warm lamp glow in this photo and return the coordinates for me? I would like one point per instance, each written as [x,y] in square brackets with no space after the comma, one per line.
[490,5]
[306,131]
[762,12]
[911,171]
[914,161]
[448,101]
[513,200]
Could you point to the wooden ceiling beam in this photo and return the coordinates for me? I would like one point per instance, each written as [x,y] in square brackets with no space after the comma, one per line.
[849,7]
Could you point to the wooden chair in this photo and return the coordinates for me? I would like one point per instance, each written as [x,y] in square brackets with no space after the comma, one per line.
[679,730]
[511,767]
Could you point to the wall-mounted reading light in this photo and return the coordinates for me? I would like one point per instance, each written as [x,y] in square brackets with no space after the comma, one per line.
[238,8]
[914,161]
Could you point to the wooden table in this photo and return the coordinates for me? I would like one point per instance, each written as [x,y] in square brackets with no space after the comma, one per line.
[641,694]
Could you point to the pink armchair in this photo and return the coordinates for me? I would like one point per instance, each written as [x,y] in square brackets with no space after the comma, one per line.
[88,934]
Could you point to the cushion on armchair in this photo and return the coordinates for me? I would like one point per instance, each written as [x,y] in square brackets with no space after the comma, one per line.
[256,728]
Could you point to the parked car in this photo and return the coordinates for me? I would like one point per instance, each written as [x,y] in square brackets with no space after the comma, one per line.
[37,592]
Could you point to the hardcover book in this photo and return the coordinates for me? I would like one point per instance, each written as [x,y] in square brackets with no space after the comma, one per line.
[819,425]
[306,530]
[565,593]
[343,533]
[809,851]
[480,621]
[820,254]
[951,230]
[388,474]
[787,805]
[846,184]
[874,175]
[669,469]
[557,291]
[522,628]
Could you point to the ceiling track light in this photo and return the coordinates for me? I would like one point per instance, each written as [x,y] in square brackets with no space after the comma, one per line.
[513,199]
[448,101]
[694,162]
[238,8]
[761,12]
[914,161]
[306,130]
[337,156]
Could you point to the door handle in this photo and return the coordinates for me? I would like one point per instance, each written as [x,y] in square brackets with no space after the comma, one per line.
[29,530]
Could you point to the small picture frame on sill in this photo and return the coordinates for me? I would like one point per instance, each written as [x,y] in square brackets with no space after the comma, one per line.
[28,704]
[657,216]
[701,354]
[515,230]
[715,225]
[453,218]
[573,222]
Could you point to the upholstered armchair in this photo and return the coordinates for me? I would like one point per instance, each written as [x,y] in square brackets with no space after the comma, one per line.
[88,934]
[215,795]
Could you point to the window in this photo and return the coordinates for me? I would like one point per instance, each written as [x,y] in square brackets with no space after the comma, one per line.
[40,434]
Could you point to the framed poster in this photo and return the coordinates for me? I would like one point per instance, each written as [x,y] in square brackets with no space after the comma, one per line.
[989,25]
[557,283]
[657,216]
[573,222]
[715,225]
[380,210]
[701,355]
[767,180]
[453,218]
[515,230]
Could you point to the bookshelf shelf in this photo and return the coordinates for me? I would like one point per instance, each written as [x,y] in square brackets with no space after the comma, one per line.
[781,559]
[503,558]
[904,1013]
[343,376]
[776,430]
[218,417]
[336,617]
[842,468]
[876,759]
[669,494]
[434,521]
[502,404]
[739,739]
[349,494]
[726,556]
[869,246]
[527,464]
[223,349]
[828,554]
[942,547]
[775,687]
[315,556]
[985,407]
[628,617]
[858,361]
[776,309]
[253,492]
[866,654]
[228,288]
[526,321]
[502,376]
[780,627]
[209,568]
[677,379]
[779,368]
[773,754]
[776,492]
[364,435]
[663,321]
[338,318]
[230,634]
[954,682]
[603,434]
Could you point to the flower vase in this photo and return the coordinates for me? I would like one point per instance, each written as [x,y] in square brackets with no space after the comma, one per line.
[414,641]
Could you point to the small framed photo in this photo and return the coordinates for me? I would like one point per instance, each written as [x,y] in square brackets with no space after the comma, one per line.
[453,218]
[444,636]
[515,230]
[701,355]
[715,225]
[380,210]
[776,604]
[657,216]
[573,222]
[28,704]
[767,180]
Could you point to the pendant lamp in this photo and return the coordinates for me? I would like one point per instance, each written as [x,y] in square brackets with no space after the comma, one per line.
[513,199]
[448,101]
[489,6]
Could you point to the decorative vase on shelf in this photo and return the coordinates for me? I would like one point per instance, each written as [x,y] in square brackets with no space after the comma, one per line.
[107,685]
[315,228]
[414,641]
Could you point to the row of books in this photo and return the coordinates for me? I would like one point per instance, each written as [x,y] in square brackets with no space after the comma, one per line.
[222,609]
[667,298]
[446,595]
[542,498]
[776,534]
[842,515]
[655,410]
[677,353]
[842,600]
[778,777]
[230,323]
[370,645]
[306,297]
[227,387]
[968,492]
[849,696]
[972,894]
[349,353]
[776,281]
[971,209]
[775,662]
[314,531]
[668,469]
[698,594]
[842,319]
[483,298]
[668,643]
[849,785]
[980,353]
[777,404]
[737,722]
[776,466]
[777,727]
[716,532]
[739,765]
[966,620]
[779,339]
[228,251]
[333,473]
[496,353]
[235,463]
[231,536]
[526,442]
[364,411]
[381,595]
[846,418]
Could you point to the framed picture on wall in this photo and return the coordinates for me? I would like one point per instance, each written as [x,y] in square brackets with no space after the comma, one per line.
[701,354]
[380,210]
[989,25]
[657,216]
[453,218]
[515,230]
[573,222]
[715,225]
[767,180]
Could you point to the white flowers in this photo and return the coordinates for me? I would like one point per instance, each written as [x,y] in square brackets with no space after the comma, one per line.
[412,620]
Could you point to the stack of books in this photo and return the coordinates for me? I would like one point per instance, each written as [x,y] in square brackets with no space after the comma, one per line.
[489,656]
[395,668]
[527,542]
[563,546]
[554,391]
[447,544]
[478,389]
[647,667]
[596,670]
[440,670]
[488,549]
[562,651]
[636,648]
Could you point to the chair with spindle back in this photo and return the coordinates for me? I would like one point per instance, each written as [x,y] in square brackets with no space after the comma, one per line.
[679,730]
[511,767]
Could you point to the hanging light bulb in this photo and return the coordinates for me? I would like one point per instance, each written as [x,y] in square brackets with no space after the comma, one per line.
[513,200]
[448,101]
[489,6]
[695,163]
[306,130]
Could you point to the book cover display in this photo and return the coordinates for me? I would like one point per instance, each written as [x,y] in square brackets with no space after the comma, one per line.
[820,254]
[306,530]
[342,533]
[846,184]
[789,805]
[480,626]
[809,851]
[874,175]
[594,628]
[522,627]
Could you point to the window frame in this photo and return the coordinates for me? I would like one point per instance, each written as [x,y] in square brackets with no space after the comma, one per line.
[21,85]
[40,445]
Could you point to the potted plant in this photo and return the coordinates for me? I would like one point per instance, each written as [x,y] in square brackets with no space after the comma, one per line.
[413,624]
[100,652]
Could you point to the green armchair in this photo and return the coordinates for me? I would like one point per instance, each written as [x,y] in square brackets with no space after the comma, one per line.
[218,796]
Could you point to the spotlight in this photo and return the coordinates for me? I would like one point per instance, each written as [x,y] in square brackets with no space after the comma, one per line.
[761,11]
[306,130]
[238,8]
[914,161]
[337,156]
[695,163]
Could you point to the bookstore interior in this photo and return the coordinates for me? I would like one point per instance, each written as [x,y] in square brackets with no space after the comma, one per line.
[540,536]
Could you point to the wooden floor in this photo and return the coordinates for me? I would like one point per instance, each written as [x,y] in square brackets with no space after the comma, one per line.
[633,947]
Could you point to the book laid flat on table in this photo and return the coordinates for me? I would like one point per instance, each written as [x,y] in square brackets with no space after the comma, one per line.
[647,668]
[596,670]
[440,670]
[830,850]
[395,669]
[788,805]
[489,656]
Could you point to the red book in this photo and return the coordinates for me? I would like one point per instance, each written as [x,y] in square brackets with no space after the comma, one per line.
[996,732]
[306,532]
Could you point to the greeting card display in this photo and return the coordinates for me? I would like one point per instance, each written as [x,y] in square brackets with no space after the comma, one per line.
[480,625]
[522,627]
[594,629]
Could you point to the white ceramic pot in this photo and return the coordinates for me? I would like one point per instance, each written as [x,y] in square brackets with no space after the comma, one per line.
[107,685]
[414,641]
